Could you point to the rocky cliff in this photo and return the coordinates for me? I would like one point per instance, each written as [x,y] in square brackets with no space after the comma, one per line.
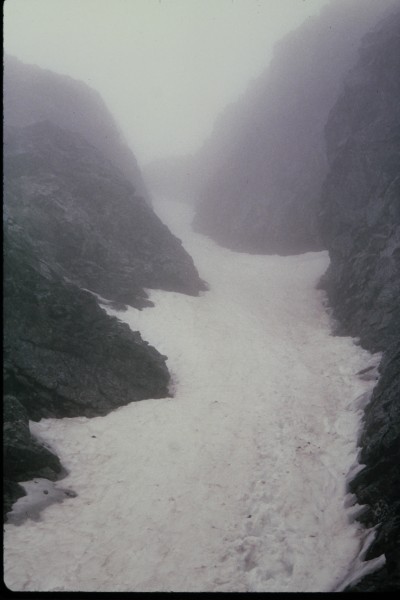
[32,94]
[74,227]
[63,357]
[360,225]
[268,150]
[360,222]
[86,218]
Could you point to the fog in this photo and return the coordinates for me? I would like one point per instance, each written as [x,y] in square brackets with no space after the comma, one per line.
[190,342]
[165,68]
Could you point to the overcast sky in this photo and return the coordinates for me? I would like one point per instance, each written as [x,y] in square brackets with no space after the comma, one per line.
[166,68]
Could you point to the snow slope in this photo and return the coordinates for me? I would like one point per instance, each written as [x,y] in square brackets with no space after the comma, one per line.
[237,483]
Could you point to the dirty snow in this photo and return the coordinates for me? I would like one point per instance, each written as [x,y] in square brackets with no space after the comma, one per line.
[238,482]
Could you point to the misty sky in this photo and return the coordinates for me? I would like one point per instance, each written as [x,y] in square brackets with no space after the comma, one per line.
[166,68]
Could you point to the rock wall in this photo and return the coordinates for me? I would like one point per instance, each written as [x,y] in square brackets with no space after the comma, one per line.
[32,94]
[360,224]
[268,150]
[23,457]
[63,357]
[74,227]
[86,219]
[360,220]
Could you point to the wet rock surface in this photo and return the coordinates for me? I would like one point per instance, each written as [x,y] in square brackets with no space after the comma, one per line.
[360,225]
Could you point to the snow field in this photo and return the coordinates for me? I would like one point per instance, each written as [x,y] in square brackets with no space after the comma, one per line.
[237,483]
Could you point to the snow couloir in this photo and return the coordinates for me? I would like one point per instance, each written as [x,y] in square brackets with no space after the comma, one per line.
[237,482]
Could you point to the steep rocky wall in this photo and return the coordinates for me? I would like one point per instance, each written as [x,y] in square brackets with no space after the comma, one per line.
[32,94]
[360,224]
[263,190]
[377,486]
[73,220]
[86,219]
[23,457]
[360,221]
[63,357]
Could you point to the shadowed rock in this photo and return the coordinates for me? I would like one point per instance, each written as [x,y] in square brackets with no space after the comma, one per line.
[23,457]
[85,219]
[74,228]
[360,223]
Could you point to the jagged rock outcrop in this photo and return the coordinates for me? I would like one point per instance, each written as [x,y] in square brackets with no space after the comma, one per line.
[360,221]
[74,227]
[86,218]
[269,151]
[63,357]
[33,94]
[378,485]
[360,224]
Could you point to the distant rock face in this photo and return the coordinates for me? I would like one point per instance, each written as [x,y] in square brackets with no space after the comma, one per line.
[73,222]
[268,150]
[360,224]
[33,94]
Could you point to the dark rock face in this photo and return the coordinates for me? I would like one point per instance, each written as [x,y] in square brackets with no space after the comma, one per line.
[378,485]
[32,94]
[63,357]
[360,224]
[269,150]
[86,218]
[360,219]
[23,457]
[73,222]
